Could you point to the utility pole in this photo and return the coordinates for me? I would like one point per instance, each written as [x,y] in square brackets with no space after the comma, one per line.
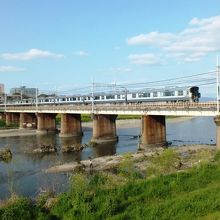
[5,101]
[217,86]
[36,102]
[92,96]
[21,95]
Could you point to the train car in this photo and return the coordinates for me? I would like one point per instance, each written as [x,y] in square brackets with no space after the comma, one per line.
[167,94]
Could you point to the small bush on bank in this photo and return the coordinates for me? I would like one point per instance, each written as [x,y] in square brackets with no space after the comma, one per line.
[20,209]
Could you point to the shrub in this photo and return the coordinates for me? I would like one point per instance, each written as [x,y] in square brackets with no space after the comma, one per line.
[20,209]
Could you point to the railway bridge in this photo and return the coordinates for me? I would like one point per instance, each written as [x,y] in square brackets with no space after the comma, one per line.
[153,131]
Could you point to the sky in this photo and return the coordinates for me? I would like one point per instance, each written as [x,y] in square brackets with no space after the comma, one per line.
[61,45]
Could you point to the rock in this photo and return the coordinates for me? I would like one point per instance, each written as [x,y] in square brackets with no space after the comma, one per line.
[5,154]
[45,149]
[73,148]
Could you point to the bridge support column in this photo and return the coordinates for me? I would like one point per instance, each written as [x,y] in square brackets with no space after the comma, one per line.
[70,125]
[217,122]
[28,120]
[104,128]
[46,123]
[153,130]
[12,118]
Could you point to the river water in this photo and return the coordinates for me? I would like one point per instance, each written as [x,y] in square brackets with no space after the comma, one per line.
[23,174]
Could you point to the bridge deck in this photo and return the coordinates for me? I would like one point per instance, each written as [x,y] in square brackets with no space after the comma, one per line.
[173,109]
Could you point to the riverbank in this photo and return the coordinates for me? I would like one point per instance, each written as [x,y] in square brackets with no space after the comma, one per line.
[16,132]
[163,191]
[188,156]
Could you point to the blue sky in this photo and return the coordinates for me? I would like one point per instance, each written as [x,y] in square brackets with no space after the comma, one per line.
[64,44]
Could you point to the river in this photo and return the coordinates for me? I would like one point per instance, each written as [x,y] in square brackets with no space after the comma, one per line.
[23,174]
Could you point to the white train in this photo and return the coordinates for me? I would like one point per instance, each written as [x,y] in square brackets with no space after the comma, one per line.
[168,94]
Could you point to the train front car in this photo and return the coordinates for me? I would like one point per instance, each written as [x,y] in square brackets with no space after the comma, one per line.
[194,94]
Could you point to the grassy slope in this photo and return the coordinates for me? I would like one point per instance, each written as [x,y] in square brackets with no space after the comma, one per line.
[192,194]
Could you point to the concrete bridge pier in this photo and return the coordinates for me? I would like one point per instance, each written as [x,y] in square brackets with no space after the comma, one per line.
[28,120]
[12,118]
[217,122]
[153,131]
[46,123]
[70,125]
[104,128]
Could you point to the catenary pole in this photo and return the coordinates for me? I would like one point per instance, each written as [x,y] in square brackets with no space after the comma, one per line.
[217,86]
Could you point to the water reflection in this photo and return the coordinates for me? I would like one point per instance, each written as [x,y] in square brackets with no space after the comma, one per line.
[72,146]
[70,143]
[104,149]
[46,140]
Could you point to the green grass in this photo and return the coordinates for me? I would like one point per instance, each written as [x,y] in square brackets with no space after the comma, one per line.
[4,126]
[192,194]
[88,118]
[124,117]
[2,123]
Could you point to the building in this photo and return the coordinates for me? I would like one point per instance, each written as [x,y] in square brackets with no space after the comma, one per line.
[2,89]
[24,92]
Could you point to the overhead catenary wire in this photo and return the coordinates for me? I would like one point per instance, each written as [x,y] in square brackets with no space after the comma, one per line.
[200,79]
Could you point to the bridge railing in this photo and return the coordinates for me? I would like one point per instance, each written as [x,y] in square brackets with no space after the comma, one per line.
[208,106]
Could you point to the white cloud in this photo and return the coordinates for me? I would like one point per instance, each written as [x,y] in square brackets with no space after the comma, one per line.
[196,41]
[31,54]
[152,38]
[81,53]
[146,58]
[4,69]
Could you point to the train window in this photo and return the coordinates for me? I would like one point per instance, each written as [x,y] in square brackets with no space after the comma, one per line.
[133,95]
[168,93]
[145,94]
[155,94]
[97,97]
[78,98]
[110,97]
[103,97]
[180,92]
[88,98]
[118,96]
[140,95]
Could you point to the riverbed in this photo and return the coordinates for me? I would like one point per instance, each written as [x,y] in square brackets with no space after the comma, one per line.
[23,174]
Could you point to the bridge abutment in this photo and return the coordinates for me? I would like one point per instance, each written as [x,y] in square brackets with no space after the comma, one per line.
[217,122]
[104,128]
[28,120]
[12,118]
[153,131]
[46,123]
[70,125]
